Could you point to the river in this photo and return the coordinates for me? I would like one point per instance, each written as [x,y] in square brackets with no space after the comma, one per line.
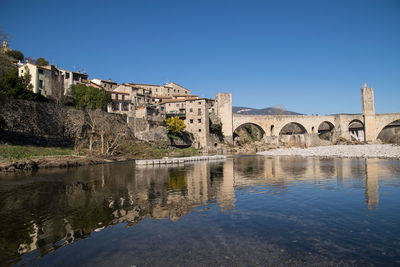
[251,210]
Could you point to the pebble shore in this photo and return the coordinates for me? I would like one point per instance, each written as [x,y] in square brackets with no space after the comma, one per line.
[342,151]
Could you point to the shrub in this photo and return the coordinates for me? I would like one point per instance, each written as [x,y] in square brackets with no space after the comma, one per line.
[175,125]
[88,97]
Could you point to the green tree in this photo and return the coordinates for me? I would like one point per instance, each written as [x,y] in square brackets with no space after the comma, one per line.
[18,87]
[18,55]
[175,125]
[41,62]
[6,64]
[88,97]
[215,128]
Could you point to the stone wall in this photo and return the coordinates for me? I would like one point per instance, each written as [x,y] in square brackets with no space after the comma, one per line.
[147,130]
[46,124]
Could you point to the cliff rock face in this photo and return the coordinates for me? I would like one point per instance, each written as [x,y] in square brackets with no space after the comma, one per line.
[151,131]
[46,124]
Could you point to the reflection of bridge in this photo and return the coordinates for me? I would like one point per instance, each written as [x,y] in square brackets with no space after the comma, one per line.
[362,127]
[280,172]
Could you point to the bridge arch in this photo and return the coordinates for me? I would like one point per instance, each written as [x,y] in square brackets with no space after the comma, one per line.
[254,130]
[356,130]
[292,128]
[383,120]
[390,133]
[325,130]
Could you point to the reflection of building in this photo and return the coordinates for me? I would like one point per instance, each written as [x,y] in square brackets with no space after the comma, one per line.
[93,198]
[89,199]
[371,183]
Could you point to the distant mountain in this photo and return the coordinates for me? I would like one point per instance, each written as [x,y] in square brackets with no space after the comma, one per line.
[264,111]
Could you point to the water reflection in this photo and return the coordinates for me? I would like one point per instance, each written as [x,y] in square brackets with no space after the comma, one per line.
[53,208]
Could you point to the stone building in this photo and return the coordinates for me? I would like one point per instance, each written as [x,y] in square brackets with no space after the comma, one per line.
[174,107]
[130,100]
[168,89]
[144,101]
[108,85]
[50,80]
[4,47]
[71,78]
[46,80]
[197,120]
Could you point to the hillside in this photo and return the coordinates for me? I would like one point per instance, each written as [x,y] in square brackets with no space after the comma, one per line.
[264,111]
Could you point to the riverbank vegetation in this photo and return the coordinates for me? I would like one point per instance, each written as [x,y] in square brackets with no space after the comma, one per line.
[10,153]
[38,156]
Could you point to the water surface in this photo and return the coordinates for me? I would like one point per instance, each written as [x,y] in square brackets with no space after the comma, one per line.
[242,211]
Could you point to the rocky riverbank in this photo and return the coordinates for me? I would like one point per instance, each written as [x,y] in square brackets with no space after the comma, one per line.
[54,162]
[342,151]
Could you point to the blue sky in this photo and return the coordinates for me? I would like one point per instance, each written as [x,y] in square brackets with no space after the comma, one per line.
[310,56]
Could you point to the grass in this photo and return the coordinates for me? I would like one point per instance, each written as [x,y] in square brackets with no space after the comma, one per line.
[14,152]
[10,153]
[152,151]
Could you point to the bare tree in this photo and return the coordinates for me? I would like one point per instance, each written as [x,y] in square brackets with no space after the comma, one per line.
[108,129]
[4,36]
[93,122]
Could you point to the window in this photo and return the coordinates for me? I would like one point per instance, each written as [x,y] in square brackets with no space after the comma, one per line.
[169,105]
[199,103]
[67,75]
[199,120]
[191,110]
[199,130]
[22,71]
[162,108]
[191,121]
[40,71]
[115,106]
[40,83]
[199,111]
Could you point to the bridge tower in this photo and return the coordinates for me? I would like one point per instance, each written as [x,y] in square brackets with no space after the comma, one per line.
[223,103]
[368,111]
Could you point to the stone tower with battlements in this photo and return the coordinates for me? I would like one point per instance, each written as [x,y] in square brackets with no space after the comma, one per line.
[223,102]
[368,111]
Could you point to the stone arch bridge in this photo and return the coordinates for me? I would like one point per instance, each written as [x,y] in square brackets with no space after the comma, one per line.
[272,125]
[362,127]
